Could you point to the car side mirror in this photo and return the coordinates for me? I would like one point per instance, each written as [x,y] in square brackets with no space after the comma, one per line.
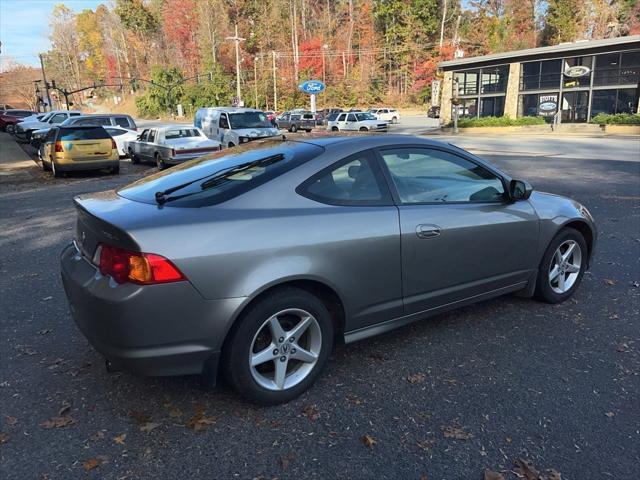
[519,190]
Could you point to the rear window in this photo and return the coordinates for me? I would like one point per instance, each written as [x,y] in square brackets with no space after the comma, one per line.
[277,157]
[181,133]
[91,133]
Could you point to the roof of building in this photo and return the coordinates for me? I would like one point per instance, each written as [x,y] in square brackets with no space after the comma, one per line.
[515,55]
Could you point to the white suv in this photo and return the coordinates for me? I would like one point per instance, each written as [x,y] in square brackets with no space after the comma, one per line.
[357,121]
[390,114]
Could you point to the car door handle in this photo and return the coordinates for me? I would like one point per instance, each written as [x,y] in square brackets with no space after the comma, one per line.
[428,230]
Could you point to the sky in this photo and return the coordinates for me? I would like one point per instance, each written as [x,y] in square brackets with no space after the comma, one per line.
[24,27]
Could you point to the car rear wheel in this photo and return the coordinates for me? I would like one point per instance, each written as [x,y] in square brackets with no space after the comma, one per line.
[308,130]
[134,157]
[364,129]
[56,172]
[279,346]
[293,129]
[562,267]
[231,145]
[334,129]
[394,120]
[159,162]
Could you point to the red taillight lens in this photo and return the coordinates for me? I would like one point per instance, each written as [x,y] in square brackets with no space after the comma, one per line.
[113,145]
[59,147]
[137,267]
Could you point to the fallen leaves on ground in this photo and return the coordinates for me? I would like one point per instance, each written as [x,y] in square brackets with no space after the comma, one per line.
[62,420]
[368,441]
[609,414]
[200,421]
[149,426]
[453,431]
[92,463]
[416,378]
[11,420]
[285,460]
[491,475]
[426,445]
[140,417]
[120,439]
[175,413]
[377,357]
[4,438]
[311,412]
[609,281]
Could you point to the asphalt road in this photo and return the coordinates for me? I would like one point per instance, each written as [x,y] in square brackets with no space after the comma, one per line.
[445,398]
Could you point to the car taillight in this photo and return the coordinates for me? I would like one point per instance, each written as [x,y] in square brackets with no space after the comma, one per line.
[125,266]
[59,147]
[113,145]
[173,152]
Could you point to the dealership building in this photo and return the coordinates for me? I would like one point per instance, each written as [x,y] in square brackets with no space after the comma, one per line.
[566,83]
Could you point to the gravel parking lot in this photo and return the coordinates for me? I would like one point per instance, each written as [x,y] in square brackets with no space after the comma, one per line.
[446,398]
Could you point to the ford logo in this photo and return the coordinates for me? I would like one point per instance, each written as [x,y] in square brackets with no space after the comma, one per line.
[577,71]
[312,87]
[548,106]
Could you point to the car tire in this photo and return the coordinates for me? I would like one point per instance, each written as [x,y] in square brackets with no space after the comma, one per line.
[134,158]
[308,130]
[56,172]
[364,129]
[231,145]
[159,161]
[394,120]
[560,272]
[293,129]
[253,334]
[335,129]
[45,167]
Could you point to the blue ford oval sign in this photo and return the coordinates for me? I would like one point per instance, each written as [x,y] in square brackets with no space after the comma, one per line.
[312,87]
[548,106]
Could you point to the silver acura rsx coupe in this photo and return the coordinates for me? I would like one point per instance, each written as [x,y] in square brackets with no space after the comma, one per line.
[254,261]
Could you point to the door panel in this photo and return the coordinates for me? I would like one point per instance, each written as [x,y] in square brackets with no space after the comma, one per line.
[456,251]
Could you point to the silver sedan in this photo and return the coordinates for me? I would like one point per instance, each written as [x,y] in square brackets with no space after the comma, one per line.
[254,261]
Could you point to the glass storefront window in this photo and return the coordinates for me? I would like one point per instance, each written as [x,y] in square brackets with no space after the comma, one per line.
[630,67]
[494,80]
[492,107]
[541,75]
[624,100]
[607,69]
[574,76]
[467,82]
[468,108]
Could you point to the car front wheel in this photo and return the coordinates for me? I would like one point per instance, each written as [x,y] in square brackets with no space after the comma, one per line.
[562,267]
[279,347]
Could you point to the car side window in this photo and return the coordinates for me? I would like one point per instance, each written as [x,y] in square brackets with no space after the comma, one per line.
[144,135]
[224,121]
[58,118]
[351,118]
[295,117]
[122,122]
[355,180]
[114,132]
[152,136]
[342,117]
[424,175]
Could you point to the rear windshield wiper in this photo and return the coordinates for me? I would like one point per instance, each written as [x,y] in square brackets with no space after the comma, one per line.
[214,179]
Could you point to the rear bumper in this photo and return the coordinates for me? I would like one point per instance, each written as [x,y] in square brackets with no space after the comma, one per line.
[82,165]
[151,330]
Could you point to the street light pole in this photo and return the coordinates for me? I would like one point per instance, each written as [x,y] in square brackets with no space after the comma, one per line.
[46,85]
[275,81]
[236,39]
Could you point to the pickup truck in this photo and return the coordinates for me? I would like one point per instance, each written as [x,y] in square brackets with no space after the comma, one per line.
[170,145]
[294,121]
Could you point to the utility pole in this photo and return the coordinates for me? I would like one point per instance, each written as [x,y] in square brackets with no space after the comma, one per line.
[444,14]
[237,41]
[255,80]
[324,68]
[275,81]
[46,85]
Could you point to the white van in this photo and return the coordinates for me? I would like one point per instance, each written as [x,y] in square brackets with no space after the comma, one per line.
[233,126]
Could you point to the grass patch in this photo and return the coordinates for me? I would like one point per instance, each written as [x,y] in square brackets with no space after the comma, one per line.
[617,119]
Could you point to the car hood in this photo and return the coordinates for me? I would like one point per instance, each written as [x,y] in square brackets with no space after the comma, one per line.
[184,143]
[34,125]
[257,132]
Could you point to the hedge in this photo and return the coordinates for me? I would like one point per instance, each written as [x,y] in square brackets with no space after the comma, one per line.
[617,119]
[505,121]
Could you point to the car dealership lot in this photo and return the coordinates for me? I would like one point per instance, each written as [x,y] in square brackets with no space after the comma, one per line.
[444,398]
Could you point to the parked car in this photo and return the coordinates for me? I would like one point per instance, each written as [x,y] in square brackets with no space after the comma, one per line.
[358,122]
[122,136]
[233,126]
[255,261]
[113,119]
[11,117]
[294,121]
[390,114]
[170,145]
[75,148]
[24,130]
[433,112]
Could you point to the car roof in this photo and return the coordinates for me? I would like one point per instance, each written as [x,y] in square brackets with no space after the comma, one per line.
[231,109]
[103,115]
[370,141]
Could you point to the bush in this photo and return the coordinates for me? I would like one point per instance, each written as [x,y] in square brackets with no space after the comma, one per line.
[617,119]
[505,121]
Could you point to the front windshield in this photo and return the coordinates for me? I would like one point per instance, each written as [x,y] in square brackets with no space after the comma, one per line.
[364,116]
[249,120]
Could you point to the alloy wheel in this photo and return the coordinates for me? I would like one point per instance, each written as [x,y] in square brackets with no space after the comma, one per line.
[565,266]
[285,349]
